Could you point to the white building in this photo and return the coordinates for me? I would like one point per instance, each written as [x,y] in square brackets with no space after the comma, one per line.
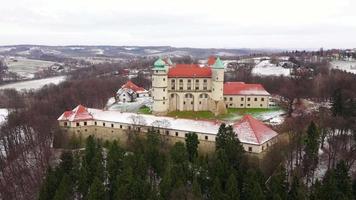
[129,92]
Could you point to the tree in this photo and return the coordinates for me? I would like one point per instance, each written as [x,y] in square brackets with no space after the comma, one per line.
[114,165]
[64,190]
[192,143]
[343,180]
[311,148]
[227,141]
[251,187]
[232,192]
[49,186]
[296,191]
[216,190]
[278,185]
[337,103]
[196,189]
[96,190]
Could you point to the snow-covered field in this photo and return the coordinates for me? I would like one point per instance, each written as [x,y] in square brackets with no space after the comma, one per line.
[26,67]
[34,84]
[266,68]
[349,66]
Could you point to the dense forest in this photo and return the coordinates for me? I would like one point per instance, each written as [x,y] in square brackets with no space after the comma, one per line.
[148,169]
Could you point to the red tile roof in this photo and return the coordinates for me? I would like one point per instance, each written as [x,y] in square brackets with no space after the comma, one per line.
[241,88]
[132,86]
[77,114]
[189,71]
[250,130]
[211,60]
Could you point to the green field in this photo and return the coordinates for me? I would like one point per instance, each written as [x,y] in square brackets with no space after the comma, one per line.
[144,110]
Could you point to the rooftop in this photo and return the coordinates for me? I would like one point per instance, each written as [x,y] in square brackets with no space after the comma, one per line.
[241,88]
[248,129]
[134,87]
[189,70]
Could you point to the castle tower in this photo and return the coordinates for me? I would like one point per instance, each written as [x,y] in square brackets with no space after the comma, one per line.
[217,80]
[160,88]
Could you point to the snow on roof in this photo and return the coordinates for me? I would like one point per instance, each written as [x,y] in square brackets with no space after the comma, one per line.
[189,70]
[134,87]
[241,88]
[189,125]
[250,130]
[77,114]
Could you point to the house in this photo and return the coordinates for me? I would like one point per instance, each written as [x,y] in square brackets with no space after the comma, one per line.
[192,87]
[255,136]
[129,92]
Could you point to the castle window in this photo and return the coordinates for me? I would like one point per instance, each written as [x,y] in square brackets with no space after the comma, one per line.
[184,102]
[189,80]
[164,89]
[224,98]
[164,98]
[205,88]
[241,105]
[138,129]
[164,102]
[248,99]
[156,71]
[250,149]
[167,132]
[65,124]
[173,80]
[120,126]
[85,123]
[191,102]
[262,99]
[172,95]
[124,94]
[197,80]
[189,88]
[199,102]
[263,148]
[230,98]
[230,104]
[206,137]
[186,135]
[77,123]
[242,98]
[248,104]
[205,80]
[129,127]
[164,79]
[255,99]
[176,133]
[103,124]
[85,130]
[180,88]
[95,123]
[180,80]
[260,105]
[112,125]
[197,88]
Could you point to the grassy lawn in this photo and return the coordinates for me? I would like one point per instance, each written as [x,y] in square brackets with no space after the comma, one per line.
[144,110]
[231,115]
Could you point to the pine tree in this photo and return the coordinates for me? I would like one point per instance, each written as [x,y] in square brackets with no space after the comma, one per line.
[114,165]
[196,189]
[96,190]
[232,192]
[310,159]
[278,185]
[296,191]
[337,103]
[251,187]
[216,190]
[343,180]
[192,143]
[49,186]
[64,190]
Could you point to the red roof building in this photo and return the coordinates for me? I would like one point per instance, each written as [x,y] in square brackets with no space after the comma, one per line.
[241,88]
[250,130]
[211,60]
[79,113]
[189,71]
[134,87]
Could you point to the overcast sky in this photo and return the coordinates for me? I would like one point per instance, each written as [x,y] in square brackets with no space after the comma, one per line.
[182,23]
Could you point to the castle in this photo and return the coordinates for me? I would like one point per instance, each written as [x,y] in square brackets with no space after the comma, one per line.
[191,87]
